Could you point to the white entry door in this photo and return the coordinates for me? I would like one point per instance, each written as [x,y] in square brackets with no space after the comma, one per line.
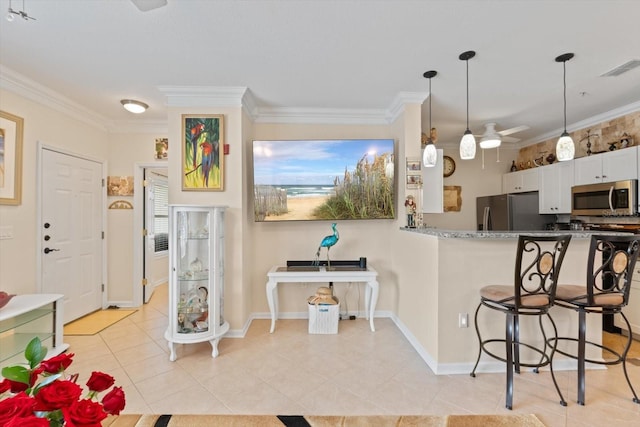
[72,231]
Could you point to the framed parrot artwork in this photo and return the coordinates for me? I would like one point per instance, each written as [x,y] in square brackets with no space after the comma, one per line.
[203,152]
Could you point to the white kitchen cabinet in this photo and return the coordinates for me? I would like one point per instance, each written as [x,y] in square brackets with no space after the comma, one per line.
[196,276]
[433,187]
[520,181]
[29,316]
[555,182]
[616,165]
[632,310]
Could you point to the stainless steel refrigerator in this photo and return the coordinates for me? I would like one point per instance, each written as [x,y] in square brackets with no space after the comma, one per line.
[510,212]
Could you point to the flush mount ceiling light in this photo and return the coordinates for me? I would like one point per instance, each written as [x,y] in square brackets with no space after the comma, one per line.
[565,149]
[134,106]
[468,142]
[430,155]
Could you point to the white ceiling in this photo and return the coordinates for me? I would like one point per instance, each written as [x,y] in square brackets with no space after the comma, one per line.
[353,55]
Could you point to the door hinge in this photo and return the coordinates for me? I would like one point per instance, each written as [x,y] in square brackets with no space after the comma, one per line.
[103,182]
[144,282]
[102,287]
[144,231]
[145,183]
[102,235]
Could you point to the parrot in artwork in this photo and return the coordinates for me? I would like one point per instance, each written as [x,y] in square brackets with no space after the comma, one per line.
[207,161]
[196,131]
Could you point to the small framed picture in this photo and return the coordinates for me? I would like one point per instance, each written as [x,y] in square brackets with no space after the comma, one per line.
[414,181]
[413,166]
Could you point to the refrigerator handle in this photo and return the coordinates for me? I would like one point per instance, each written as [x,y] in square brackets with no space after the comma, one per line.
[486,219]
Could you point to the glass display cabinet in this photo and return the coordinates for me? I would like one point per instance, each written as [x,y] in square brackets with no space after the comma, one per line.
[196,276]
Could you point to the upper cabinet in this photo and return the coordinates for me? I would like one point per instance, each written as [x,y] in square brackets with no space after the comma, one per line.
[607,167]
[555,183]
[432,187]
[521,181]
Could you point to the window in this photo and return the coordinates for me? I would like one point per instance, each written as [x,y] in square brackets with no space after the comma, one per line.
[161,215]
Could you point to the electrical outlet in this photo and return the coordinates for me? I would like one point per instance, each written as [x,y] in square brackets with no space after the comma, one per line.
[463,320]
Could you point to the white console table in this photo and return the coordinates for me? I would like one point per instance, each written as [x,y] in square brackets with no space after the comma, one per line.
[279,274]
[29,316]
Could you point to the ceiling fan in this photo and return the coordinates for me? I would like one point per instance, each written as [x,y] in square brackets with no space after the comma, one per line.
[146,5]
[492,138]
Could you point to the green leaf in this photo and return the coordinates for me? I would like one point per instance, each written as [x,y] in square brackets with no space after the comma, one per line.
[47,380]
[35,352]
[17,373]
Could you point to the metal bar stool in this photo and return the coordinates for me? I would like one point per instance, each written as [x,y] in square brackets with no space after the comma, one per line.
[610,268]
[538,262]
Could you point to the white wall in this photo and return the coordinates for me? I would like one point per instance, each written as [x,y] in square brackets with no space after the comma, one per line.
[18,257]
[125,150]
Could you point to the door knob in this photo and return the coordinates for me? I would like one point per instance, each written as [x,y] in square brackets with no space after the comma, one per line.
[47,250]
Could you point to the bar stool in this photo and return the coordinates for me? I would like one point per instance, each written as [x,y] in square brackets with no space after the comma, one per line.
[610,266]
[538,262]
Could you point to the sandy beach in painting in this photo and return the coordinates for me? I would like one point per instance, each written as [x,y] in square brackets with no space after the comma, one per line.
[300,208]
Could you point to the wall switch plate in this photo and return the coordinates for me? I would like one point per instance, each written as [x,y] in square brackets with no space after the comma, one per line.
[463,320]
[6,232]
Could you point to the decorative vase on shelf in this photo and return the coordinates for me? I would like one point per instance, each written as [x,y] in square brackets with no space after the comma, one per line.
[196,265]
[513,166]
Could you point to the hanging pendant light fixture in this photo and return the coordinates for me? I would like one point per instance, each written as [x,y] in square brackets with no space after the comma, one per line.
[565,148]
[468,142]
[430,155]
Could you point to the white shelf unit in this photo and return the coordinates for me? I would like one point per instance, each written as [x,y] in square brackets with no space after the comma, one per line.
[27,317]
[196,276]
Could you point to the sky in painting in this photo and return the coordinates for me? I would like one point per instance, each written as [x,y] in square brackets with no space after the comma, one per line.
[312,162]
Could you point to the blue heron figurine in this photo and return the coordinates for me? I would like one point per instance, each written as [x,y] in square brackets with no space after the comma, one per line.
[327,242]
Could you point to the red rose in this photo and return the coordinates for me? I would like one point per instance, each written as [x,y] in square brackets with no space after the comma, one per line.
[100,381]
[57,395]
[17,386]
[84,413]
[19,405]
[31,421]
[113,402]
[57,363]
[5,385]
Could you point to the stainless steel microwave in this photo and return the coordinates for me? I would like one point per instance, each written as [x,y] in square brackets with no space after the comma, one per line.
[610,198]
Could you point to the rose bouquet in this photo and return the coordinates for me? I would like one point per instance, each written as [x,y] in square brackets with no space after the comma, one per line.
[43,395]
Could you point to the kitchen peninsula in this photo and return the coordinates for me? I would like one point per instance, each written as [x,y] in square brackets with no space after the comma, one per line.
[443,271]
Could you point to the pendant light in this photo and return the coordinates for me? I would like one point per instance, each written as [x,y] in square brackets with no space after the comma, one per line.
[565,149]
[430,155]
[468,142]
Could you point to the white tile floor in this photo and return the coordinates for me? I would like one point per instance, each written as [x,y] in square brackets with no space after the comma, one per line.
[356,372]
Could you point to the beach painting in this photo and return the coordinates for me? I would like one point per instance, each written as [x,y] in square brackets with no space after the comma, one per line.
[303,180]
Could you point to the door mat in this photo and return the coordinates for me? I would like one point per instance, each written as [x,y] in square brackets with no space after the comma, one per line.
[95,322]
[131,420]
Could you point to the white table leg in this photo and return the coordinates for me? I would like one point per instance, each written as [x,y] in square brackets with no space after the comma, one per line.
[214,347]
[373,286]
[272,299]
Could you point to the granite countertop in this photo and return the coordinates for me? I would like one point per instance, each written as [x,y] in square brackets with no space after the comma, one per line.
[472,234]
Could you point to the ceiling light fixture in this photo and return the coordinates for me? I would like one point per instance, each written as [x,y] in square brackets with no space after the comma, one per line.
[134,106]
[565,149]
[491,138]
[21,13]
[430,154]
[468,142]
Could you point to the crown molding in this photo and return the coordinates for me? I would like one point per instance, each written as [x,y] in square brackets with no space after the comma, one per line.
[30,89]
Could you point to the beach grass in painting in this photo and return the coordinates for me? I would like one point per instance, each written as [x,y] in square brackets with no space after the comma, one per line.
[323,179]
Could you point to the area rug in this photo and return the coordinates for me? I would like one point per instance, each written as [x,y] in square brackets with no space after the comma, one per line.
[515,420]
[95,322]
